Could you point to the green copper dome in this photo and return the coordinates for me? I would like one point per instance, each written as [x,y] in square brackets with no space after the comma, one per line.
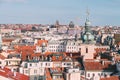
[88,37]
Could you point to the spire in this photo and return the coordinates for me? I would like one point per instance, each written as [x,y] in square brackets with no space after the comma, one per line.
[87,14]
[88,37]
[87,22]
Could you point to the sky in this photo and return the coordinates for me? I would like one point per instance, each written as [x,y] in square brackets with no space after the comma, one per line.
[102,12]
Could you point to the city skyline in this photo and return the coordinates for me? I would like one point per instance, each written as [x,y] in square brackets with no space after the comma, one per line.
[102,12]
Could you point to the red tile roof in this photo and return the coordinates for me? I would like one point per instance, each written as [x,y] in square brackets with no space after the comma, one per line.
[98,65]
[25,51]
[48,76]
[111,78]
[5,72]
[7,40]
[39,43]
[2,57]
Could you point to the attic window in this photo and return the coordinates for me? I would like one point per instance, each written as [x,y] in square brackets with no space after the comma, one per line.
[57,57]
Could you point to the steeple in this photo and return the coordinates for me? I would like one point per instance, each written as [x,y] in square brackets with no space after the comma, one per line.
[87,22]
[88,38]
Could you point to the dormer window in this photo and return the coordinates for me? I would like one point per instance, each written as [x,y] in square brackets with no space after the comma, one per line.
[57,57]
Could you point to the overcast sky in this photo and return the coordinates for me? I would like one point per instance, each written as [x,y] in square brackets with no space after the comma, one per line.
[102,12]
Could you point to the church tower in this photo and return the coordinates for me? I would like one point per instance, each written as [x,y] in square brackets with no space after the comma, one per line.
[88,38]
[87,49]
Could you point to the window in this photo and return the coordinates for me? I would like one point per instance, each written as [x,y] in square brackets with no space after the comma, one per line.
[88,74]
[36,64]
[102,74]
[41,64]
[26,71]
[30,64]
[93,74]
[41,70]
[46,64]
[68,64]
[86,50]
[82,73]
[98,74]
[35,78]
[57,57]
[64,64]
[35,71]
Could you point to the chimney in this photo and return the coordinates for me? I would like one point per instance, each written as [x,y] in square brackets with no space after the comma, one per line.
[71,55]
[103,63]
[96,78]
[14,73]
[12,70]
[108,76]
[2,67]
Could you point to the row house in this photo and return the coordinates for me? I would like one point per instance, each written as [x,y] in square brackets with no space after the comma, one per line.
[10,32]
[8,74]
[63,46]
[11,61]
[36,69]
[72,74]
[96,69]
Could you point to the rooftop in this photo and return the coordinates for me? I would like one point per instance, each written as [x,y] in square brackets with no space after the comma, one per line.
[99,65]
[111,78]
[5,72]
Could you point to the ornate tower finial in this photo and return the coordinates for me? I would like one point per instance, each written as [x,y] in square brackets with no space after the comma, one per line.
[87,13]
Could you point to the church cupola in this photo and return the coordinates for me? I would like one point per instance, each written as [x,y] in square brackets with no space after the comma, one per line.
[88,38]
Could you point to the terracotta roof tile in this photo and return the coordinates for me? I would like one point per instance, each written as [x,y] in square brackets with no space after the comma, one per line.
[41,41]
[2,57]
[111,78]
[48,76]
[5,72]
[98,65]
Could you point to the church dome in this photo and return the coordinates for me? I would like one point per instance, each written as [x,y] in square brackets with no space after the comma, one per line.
[88,36]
